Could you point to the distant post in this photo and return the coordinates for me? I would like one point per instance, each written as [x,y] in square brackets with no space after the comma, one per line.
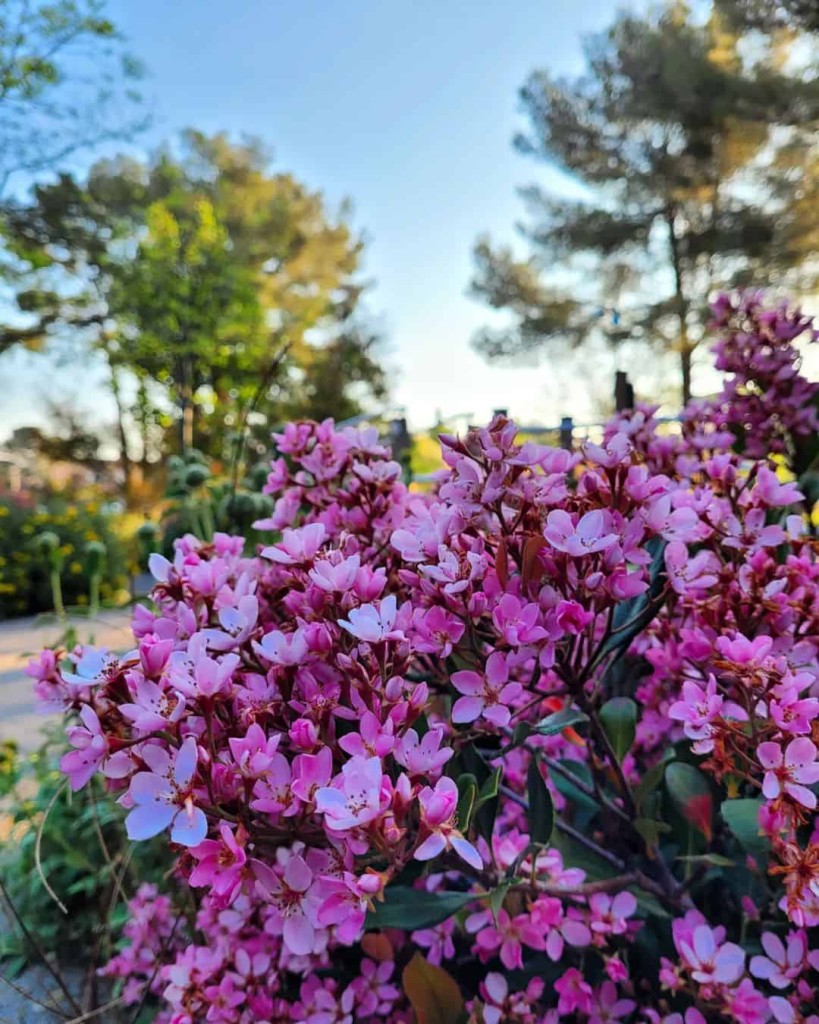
[567,433]
[623,392]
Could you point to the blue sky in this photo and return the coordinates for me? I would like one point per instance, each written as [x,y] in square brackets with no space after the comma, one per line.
[408,109]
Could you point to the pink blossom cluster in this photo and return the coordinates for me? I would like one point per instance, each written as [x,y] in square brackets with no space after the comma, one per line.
[481,702]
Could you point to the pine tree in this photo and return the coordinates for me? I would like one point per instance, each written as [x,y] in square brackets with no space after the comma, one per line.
[686,138]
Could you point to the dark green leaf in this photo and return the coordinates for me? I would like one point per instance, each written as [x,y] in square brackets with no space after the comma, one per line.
[583,806]
[742,817]
[618,717]
[496,898]
[409,909]
[650,830]
[631,617]
[649,783]
[691,794]
[541,813]
[467,795]
[714,860]
[489,790]
[560,720]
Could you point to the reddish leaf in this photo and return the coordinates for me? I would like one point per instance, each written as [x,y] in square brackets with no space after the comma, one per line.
[502,563]
[433,994]
[529,560]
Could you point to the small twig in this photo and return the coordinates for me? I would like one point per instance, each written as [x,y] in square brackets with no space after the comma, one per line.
[38,843]
[567,829]
[166,945]
[97,1012]
[31,998]
[38,949]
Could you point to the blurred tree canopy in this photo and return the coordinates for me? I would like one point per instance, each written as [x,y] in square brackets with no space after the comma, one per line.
[691,146]
[213,287]
[66,83]
[768,15]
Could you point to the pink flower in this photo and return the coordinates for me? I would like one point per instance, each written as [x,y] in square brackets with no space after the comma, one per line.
[436,631]
[679,524]
[91,668]
[485,696]
[153,708]
[284,649]
[609,1008]
[297,547]
[588,536]
[574,992]
[237,624]
[783,966]
[709,962]
[91,748]
[354,799]
[516,622]
[295,898]
[195,674]
[163,797]
[221,862]
[608,915]
[572,617]
[438,808]
[745,1004]
[373,739]
[422,757]
[334,576]
[698,711]
[253,752]
[791,772]
[373,624]
[687,572]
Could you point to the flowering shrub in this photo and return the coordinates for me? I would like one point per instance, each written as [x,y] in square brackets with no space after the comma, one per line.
[536,747]
[25,588]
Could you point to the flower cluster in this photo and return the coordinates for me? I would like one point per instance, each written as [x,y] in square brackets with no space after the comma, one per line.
[540,743]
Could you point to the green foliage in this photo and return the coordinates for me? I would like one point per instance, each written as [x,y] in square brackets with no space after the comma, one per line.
[618,717]
[412,908]
[228,294]
[65,82]
[540,815]
[198,504]
[59,537]
[83,856]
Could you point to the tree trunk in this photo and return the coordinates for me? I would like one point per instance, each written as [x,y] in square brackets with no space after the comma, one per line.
[681,304]
[124,449]
[686,352]
[186,404]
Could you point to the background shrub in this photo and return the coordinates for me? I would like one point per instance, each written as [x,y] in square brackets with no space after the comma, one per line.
[24,580]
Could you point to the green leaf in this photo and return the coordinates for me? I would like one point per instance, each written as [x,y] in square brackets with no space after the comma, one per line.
[691,796]
[485,810]
[742,817]
[650,830]
[467,795]
[618,717]
[489,790]
[576,855]
[541,812]
[560,720]
[496,898]
[649,783]
[410,909]
[584,807]
[631,617]
[714,860]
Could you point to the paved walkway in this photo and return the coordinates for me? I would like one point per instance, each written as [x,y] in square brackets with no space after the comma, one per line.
[20,639]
